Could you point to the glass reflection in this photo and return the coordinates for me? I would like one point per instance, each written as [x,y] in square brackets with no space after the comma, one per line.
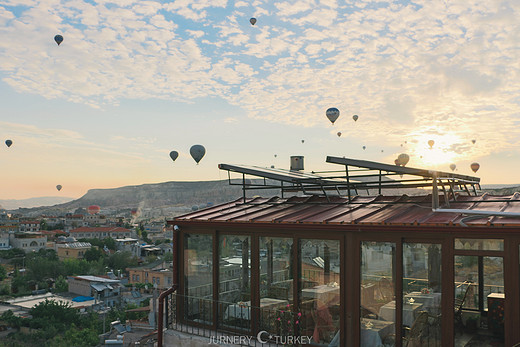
[377,294]
[421,314]
[234,281]
[319,291]
[276,285]
[198,281]
[479,301]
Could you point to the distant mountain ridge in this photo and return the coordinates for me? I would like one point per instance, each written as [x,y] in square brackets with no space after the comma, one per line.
[154,195]
[11,204]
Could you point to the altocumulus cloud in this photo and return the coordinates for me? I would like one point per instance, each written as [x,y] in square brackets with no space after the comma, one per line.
[400,65]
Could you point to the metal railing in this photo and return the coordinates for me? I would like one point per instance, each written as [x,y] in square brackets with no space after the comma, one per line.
[237,323]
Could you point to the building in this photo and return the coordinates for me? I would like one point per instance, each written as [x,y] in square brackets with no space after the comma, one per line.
[29,226]
[72,250]
[129,244]
[343,269]
[4,241]
[159,273]
[106,290]
[100,233]
[28,241]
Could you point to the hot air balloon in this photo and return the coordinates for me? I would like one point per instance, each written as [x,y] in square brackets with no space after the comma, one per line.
[58,39]
[275,155]
[453,167]
[364,147]
[403,159]
[339,133]
[382,150]
[431,143]
[59,187]
[475,167]
[93,209]
[303,141]
[197,152]
[396,162]
[473,141]
[174,155]
[8,143]
[252,21]
[401,145]
[272,166]
[332,114]
[355,117]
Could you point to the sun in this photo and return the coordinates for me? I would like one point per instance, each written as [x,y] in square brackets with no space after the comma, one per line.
[439,155]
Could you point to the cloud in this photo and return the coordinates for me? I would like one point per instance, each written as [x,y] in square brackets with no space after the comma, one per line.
[407,69]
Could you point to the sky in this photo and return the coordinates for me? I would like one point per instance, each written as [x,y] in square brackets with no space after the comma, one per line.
[134,80]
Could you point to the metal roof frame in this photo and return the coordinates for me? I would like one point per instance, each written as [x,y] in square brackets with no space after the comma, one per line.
[357,175]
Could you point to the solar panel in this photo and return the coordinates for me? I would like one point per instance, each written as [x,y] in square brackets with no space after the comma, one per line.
[357,175]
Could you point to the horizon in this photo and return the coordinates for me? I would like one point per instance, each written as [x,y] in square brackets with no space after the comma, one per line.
[132,81]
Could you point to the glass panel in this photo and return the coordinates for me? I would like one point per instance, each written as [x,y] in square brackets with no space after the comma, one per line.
[480,244]
[198,272]
[276,282]
[319,291]
[422,294]
[466,281]
[377,294]
[234,281]
[493,277]
[479,301]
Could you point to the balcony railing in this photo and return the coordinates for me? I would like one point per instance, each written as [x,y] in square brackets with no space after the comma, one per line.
[237,323]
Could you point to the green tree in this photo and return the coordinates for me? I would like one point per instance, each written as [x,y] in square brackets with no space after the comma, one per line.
[61,285]
[110,243]
[168,256]
[81,337]
[43,225]
[121,261]
[93,254]
[3,273]
[52,312]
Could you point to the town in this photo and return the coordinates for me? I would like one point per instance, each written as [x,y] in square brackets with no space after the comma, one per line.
[107,271]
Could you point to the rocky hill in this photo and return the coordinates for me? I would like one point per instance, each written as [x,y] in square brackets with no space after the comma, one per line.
[178,196]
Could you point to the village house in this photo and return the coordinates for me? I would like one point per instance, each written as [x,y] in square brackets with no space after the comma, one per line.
[100,233]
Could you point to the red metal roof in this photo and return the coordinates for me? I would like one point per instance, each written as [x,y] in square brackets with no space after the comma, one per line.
[374,210]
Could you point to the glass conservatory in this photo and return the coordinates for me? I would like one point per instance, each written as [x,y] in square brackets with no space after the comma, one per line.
[324,265]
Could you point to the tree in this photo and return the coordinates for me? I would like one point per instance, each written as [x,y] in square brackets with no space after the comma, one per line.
[52,312]
[3,273]
[121,261]
[93,254]
[61,285]
[110,243]
[168,256]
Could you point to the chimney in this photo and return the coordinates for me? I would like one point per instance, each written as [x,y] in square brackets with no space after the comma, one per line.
[297,162]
